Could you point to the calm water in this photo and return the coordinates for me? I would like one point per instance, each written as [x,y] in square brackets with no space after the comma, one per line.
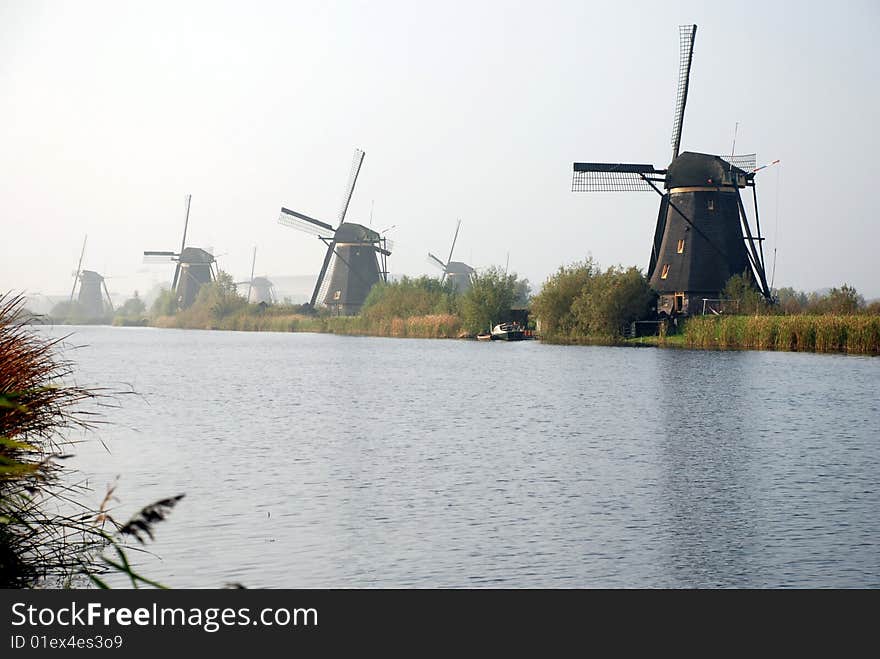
[321,461]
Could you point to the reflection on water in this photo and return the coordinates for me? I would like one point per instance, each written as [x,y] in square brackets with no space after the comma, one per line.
[315,460]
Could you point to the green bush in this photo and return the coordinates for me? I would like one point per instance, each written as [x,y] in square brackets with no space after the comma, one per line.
[409,297]
[553,305]
[489,299]
[583,302]
[612,299]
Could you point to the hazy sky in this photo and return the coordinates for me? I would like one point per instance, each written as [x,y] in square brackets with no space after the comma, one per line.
[111,112]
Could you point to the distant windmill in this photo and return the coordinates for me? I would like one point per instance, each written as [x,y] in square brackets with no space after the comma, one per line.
[195,266]
[458,273]
[702,236]
[260,289]
[93,300]
[356,256]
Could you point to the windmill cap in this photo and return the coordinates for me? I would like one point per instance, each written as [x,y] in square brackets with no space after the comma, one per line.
[701,169]
[458,268]
[196,255]
[349,232]
[90,275]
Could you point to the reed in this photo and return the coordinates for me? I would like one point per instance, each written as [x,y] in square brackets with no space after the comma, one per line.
[855,333]
[48,536]
[38,543]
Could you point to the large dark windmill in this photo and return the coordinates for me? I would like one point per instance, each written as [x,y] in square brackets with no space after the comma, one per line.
[702,236]
[195,266]
[356,256]
[458,273]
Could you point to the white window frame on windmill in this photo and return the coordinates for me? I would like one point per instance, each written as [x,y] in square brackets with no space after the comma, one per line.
[664,273]
[680,249]
[711,205]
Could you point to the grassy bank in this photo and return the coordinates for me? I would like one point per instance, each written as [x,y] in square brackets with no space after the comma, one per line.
[431,326]
[856,333]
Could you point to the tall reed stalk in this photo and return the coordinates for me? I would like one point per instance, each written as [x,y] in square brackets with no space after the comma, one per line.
[858,334]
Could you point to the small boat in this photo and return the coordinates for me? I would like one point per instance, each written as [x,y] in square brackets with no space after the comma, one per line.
[484,336]
[508,332]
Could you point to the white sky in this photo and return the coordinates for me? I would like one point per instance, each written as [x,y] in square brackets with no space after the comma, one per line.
[111,112]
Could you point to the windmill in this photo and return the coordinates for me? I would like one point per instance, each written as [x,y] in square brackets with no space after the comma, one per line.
[93,300]
[195,266]
[702,236]
[458,273]
[260,289]
[356,256]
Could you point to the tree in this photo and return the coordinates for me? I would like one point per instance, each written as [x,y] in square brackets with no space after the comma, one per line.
[489,299]
[133,307]
[742,289]
[553,305]
[791,301]
[165,303]
[841,301]
[612,299]
[220,297]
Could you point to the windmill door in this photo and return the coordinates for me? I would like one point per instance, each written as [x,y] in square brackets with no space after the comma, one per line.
[678,304]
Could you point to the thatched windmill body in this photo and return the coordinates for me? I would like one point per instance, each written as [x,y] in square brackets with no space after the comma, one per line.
[93,300]
[459,274]
[356,256]
[702,236]
[194,269]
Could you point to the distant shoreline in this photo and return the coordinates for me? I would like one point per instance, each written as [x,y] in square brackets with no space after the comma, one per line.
[857,334]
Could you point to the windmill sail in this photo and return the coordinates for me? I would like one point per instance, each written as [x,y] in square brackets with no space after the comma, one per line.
[433,260]
[613,177]
[78,267]
[356,163]
[304,223]
[687,34]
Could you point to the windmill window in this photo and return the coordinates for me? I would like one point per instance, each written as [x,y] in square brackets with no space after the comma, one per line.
[681,246]
[337,295]
[711,204]
[665,272]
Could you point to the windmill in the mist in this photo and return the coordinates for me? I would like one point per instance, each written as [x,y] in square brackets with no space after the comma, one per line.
[356,256]
[260,289]
[93,300]
[459,274]
[703,236]
[195,266]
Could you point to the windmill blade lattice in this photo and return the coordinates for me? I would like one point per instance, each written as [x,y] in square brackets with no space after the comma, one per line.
[687,34]
[356,163]
[613,177]
[433,260]
[745,161]
[304,223]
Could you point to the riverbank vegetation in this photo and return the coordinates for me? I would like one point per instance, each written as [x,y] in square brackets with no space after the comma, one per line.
[48,536]
[854,333]
[838,320]
[420,307]
[582,303]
